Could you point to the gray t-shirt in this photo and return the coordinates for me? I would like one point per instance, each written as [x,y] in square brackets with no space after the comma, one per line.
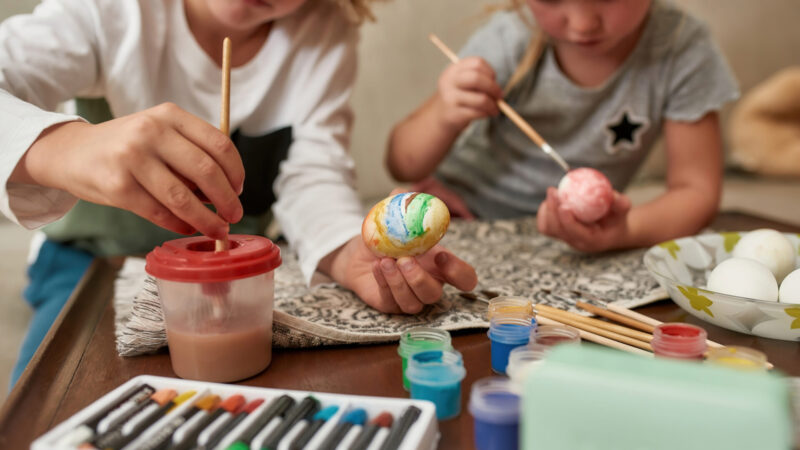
[675,72]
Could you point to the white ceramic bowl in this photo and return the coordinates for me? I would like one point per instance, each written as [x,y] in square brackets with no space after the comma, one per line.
[682,266]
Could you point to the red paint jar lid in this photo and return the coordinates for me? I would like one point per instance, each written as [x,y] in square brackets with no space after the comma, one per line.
[193,259]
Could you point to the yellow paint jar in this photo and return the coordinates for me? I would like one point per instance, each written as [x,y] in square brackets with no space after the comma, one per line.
[737,357]
[503,305]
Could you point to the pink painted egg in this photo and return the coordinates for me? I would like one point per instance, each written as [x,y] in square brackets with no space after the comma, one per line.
[587,193]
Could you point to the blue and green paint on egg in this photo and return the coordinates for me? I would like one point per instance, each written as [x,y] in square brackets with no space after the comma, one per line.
[405,224]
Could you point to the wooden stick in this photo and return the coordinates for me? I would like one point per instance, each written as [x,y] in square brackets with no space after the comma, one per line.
[641,317]
[508,111]
[593,329]
[602,312]
[597,339]
[614,328]
[221,245]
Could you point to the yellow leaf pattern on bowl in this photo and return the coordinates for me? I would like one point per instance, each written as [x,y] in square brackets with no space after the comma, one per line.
[794,312]
[731,239]
[698,302]
[672,247]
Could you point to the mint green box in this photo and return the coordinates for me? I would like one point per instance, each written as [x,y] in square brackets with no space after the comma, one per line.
[584,397]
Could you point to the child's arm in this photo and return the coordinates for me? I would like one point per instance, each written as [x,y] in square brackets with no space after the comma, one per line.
[694,179]
[467,91]
[148,163]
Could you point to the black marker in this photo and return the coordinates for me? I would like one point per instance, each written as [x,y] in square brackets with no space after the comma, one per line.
[276,408]
[229,408]
[303,410]
[317,422]
[210,440]
[362,441]
[88,430]
[400,428]
[353,417]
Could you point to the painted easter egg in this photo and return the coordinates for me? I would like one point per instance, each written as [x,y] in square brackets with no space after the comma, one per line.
[405,224]
[587,193]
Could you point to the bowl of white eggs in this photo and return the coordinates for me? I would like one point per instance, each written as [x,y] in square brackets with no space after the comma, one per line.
[743,281]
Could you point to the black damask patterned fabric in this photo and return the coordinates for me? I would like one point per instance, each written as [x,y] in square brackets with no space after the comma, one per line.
[510,256]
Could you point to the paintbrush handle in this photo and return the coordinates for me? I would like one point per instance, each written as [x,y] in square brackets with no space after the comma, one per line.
[641,317]
[602,312]
[619,329]
[524,126]
[220,245]
[597,339]
[596,330]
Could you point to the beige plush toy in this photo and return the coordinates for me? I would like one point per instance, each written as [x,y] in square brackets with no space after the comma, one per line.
[765,126]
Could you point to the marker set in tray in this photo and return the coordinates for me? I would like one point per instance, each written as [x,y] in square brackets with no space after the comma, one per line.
[149,412]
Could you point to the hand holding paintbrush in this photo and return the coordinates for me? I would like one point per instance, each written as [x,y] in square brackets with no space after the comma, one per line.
[508,111]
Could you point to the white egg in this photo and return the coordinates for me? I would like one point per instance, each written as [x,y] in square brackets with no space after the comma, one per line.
[744,278]
[770,248]
[790,288]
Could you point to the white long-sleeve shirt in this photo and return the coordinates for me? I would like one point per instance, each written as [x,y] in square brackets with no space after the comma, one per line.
[140,53]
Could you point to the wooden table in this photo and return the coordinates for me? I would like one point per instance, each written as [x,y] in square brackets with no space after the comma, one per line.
[77,363]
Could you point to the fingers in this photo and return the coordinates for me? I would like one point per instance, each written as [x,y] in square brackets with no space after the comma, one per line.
[456,271]
[622,204]
[209,139]
[144,205]
[426,288]
[387,303]
[191,162]
[160,182]
[550,224]
[401,292]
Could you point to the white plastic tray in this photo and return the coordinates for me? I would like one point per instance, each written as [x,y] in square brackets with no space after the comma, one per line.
[423,434]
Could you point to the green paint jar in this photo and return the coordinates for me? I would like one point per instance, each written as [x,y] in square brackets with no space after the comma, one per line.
[420,339]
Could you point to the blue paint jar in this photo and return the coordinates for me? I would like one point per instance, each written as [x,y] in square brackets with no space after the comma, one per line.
[508,332]
[495,408]
[436,375]
[420,339]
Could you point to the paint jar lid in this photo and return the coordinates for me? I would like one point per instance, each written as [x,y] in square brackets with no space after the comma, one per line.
[555,334]
[436,368]
[423,338]
[679,340]
[511,329]
[493,400]
[194,260]
[504,305]
[737,357]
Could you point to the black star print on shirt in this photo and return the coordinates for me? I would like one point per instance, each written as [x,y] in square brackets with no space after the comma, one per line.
[624,130]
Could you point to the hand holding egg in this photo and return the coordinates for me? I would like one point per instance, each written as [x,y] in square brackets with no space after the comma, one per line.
[405,224]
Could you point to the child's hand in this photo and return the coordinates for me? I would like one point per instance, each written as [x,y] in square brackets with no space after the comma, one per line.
[610,232]
[453,201]
[402,286]
[149,163]
[468,91]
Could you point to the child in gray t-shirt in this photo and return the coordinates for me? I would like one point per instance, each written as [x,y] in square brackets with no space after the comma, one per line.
[600,81]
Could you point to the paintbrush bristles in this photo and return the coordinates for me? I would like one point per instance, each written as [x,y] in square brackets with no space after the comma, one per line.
[221,245]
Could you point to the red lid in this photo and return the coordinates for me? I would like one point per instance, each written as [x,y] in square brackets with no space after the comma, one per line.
[193,259]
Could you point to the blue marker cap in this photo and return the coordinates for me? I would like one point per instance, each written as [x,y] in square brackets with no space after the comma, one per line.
[355,416]
[326,413]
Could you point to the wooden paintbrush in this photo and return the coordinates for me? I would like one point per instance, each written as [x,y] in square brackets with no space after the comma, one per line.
[510,113]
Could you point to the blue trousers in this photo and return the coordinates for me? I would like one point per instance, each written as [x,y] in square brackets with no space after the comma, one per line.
[52,278]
